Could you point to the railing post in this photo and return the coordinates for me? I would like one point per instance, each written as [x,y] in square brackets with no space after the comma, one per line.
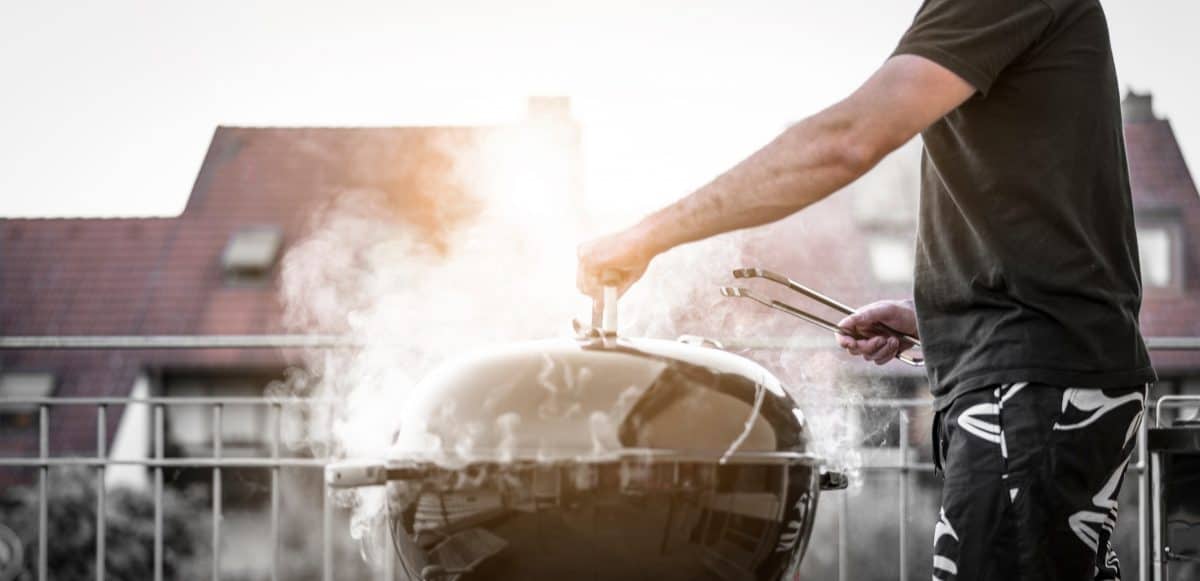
[327,533]
[903,494]
[158,492]
[217,438]
[101,501]
[43,476]
[843,539]
[1144,519]
[843,547]
[277,417]
[327,507]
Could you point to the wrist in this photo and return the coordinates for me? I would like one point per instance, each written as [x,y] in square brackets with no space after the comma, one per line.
[650,237]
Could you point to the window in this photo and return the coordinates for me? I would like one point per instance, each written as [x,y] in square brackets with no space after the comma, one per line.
[246,431]
[891,259]
[1156,250]
[250,253]
[23,385]
[245,428]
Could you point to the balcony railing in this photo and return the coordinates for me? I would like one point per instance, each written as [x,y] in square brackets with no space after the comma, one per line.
[275,461]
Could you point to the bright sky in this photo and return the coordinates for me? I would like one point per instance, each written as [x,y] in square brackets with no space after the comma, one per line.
[106,108]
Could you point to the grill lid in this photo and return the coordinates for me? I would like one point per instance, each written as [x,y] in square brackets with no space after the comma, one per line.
[597,398]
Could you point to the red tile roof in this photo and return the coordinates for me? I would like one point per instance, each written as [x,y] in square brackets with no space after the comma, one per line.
[163,275]
[1162,184]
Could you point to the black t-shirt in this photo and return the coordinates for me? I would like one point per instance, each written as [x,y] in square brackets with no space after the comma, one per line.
[1027,263]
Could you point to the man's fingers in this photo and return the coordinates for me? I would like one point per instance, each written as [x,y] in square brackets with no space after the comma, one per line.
[848,343]
[872,346]
[843,341]
[879,349]
[888,352]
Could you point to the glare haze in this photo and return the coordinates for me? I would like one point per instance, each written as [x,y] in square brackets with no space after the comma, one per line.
[108,108]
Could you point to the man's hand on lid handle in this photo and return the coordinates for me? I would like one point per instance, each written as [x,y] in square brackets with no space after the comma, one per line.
[625,254]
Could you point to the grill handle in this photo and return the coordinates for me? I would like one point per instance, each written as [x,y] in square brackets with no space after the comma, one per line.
[834,480]
[604,311]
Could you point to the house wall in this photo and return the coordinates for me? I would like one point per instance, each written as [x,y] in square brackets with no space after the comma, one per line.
[132,441]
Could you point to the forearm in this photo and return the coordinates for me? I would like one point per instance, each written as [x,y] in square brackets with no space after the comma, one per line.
[809,161]
[806,163]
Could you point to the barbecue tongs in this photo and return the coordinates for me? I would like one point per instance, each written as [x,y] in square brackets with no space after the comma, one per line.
[805,316]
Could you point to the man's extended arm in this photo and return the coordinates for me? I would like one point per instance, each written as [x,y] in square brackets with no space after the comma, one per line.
[806,163]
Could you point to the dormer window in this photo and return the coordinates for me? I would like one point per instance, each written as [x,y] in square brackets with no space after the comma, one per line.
[250,253]
[1159,252]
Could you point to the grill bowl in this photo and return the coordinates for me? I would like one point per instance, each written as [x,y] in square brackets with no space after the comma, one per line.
[601,458]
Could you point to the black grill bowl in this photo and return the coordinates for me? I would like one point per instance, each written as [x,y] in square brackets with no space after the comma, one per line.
[601,459]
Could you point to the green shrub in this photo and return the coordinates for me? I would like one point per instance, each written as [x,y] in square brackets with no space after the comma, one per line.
[129,531]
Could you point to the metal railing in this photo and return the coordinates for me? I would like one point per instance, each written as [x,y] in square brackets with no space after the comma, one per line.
[274,462]
[158,462]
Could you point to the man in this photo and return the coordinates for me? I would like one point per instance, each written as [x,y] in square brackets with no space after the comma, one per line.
[1027,284]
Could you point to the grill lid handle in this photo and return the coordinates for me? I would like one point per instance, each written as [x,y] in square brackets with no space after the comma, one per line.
[604,311]
[833,480]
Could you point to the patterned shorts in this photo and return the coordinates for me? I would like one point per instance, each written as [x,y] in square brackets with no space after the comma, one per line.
[1032,473]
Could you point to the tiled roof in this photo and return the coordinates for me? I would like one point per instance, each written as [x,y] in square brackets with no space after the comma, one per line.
[1162,184]
[163,275]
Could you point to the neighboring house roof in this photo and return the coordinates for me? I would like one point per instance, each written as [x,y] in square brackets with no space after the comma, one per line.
[163,276]
[133,276]
[1164,192]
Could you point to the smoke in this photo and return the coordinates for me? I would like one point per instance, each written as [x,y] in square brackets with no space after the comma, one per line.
[409,294]
[500,268]
[680,296]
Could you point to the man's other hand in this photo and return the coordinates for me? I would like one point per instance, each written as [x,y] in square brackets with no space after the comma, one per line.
[626,254]
[876,324]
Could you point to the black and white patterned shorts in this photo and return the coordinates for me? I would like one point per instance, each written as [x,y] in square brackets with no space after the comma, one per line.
[1032,474]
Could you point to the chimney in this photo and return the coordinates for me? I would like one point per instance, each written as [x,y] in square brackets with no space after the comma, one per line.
[1138,107]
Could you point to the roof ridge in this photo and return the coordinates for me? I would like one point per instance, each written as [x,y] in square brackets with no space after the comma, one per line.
[353,127]
[84,218]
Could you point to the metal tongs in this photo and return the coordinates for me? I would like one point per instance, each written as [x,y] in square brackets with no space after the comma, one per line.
[810,318]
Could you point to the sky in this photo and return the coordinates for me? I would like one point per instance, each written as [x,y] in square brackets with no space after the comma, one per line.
[107,108]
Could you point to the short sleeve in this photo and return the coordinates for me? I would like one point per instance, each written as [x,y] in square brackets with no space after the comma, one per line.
[976,39]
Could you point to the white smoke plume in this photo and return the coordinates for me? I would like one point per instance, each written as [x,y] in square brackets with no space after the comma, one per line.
[363,270]
[680,296]
[505,273]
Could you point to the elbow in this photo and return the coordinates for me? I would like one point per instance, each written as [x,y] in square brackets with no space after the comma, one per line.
[857,157]
[860,140]
[860,149]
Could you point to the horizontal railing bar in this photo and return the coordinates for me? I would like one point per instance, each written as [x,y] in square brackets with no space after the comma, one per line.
[286,341]
[805,343]
[895,403]
[251,400]
[34,462]
[167,400]
[178,341]
[1173,343]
